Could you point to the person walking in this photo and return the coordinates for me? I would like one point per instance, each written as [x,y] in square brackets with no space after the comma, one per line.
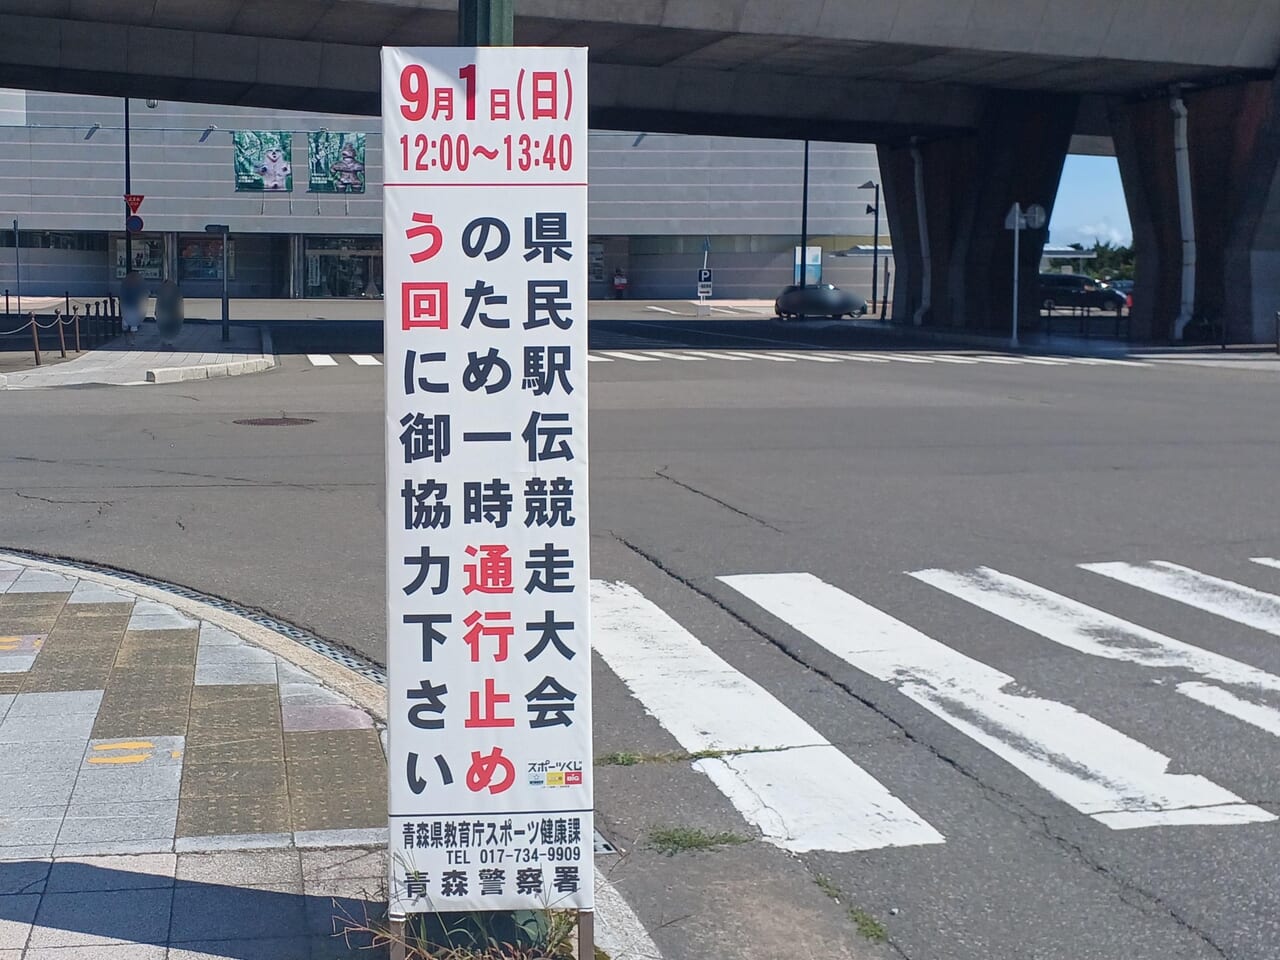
[133,294]
[619,283]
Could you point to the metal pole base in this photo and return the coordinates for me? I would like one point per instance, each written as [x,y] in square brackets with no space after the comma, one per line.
[397,937]
[586,935]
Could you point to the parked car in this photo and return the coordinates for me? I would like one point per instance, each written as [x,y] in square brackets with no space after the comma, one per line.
[1077,290]
[818,300]
[1124,286]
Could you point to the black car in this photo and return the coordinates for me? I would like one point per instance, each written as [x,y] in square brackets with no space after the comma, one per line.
[818,300]
[1077,290]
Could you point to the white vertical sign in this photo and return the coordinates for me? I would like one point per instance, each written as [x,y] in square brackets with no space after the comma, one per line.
[488,651]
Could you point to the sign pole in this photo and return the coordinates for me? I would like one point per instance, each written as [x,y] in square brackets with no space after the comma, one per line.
[17,266]
[226,298]
[1017,233]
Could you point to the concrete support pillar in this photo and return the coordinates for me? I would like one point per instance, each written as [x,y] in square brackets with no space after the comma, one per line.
[970,182]
[1234,145]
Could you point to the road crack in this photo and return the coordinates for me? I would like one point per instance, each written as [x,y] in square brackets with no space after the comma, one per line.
[92,503]
[714,499]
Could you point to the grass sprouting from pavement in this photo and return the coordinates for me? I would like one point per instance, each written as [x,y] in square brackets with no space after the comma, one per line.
[867,925]
[624,758]
[673,840]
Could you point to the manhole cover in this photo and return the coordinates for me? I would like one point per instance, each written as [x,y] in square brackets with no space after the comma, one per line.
[273,421]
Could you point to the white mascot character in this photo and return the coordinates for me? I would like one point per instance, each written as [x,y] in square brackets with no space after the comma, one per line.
[273,169]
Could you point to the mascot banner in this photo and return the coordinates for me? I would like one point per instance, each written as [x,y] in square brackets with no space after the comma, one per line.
[337,162]
[263,161]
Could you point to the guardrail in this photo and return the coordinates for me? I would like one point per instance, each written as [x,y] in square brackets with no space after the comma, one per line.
[101,322]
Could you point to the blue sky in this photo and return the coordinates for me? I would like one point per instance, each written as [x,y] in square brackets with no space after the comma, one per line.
[1090,203]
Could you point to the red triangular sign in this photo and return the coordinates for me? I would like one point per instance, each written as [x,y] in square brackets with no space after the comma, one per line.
[134,200]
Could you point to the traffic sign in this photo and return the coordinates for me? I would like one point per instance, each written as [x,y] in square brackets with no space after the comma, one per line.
[133,201]
[133,224]
[704,290]
[1034,217]
[704,275]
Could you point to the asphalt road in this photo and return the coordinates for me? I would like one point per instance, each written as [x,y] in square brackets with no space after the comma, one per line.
[1061,767]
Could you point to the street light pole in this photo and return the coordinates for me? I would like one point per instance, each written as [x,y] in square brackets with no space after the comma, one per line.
[128,188]
[875,242]
[804,220]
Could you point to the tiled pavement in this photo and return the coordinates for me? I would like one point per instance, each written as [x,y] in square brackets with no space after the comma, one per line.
[166,787]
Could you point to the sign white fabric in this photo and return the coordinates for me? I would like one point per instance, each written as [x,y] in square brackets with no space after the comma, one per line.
[489,656]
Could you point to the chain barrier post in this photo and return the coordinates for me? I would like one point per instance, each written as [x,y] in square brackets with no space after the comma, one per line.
[75,316]
[35,336]
[62,337]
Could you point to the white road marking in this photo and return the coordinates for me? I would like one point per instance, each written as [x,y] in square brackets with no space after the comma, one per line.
[663,310]
[592,358]
[638,358]
[802,793]
[619,932]
[903,358]
[669,356]
[1099,771]
[321,360]
[760,356]
[1080,627]
[861,357]
[816,358]
[717,355]
[940,358]
[1037,361]
[1266,562]
[987,358]
[1225,598]
[364,360]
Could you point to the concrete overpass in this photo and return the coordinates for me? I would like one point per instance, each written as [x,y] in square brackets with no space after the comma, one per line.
[972,103]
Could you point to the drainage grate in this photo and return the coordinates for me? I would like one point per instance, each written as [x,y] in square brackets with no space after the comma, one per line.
[273,421]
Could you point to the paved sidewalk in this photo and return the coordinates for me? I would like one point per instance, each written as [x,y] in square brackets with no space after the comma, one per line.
[196,354]
[172,788]
[179,781]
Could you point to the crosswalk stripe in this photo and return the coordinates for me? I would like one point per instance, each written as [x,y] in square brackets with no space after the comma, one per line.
[760,356]
[637,357]
[861,358]
[902,358]
[1225,598]
[801,791]
[1080,627]
[321,360]
[814,357]
[593,358]
[365,360]
[1092,767]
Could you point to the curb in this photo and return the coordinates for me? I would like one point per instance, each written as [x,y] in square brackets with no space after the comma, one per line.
[364,693]
[232,368]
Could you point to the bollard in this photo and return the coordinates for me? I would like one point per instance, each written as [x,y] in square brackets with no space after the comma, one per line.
[75,316]
[1278,331]
[6,301]
[67,297]
[35,336]
[62,337]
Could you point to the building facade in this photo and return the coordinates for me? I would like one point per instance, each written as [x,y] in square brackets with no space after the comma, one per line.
[659,204]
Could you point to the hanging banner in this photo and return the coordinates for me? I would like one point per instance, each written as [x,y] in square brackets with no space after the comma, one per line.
[336,162]
[489,655]
[263,161]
